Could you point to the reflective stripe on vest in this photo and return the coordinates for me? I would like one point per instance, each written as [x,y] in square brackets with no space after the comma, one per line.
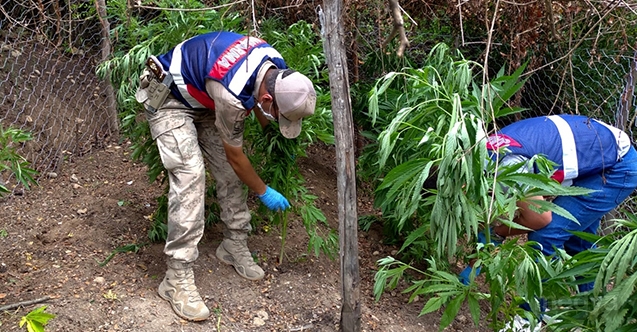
[569,151]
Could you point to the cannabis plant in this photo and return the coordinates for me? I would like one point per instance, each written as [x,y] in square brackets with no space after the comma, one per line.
[612,304]
[439,133]
[276,155]
[12,163]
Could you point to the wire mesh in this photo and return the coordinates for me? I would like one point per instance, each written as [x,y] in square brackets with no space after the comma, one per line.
[596,83]
[48,87]
[50,49]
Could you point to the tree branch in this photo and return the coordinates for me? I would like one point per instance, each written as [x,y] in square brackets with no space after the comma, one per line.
[551,18]
[398,29]
[24,303]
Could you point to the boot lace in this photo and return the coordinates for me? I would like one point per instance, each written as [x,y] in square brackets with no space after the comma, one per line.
[241,251]
[186,279]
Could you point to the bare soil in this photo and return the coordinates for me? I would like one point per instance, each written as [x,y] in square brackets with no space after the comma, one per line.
[57,233]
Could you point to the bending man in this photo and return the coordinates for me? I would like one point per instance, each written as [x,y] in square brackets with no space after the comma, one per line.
[197,97]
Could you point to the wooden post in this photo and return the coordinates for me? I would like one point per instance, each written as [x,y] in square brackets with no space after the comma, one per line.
[334,47]
[113,118]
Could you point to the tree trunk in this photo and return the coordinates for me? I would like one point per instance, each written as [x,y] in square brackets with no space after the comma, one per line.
[334,46]
[113,118]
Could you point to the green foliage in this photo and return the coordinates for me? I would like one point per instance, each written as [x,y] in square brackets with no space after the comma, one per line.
[433,116]
[611,305]
[36,320]
[503,267]
[406,104]
[441,288]
[425,31]
[13,163]
[438,117]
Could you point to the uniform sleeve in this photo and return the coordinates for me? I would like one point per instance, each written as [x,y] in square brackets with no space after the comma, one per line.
[229,114]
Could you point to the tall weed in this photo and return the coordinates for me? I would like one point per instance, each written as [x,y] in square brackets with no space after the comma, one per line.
[437,130]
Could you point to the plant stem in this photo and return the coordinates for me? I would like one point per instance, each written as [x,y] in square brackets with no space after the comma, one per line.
[284,233]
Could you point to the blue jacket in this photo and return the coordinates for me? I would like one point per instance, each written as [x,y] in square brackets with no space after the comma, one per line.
[579,145]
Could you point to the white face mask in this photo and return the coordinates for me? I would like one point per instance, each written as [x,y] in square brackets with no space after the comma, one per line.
[267,115]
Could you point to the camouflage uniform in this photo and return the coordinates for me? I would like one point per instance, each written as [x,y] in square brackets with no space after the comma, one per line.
[185,138]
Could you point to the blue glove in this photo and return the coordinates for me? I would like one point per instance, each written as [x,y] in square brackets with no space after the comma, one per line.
[464,275]
[274,200]
[495,238]
[482,238]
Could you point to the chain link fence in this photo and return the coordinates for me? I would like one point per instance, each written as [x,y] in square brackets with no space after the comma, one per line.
[48,55]
[596,83]
[50,49]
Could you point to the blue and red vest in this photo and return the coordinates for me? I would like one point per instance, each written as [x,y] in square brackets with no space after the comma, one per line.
[232,59]
[579,145]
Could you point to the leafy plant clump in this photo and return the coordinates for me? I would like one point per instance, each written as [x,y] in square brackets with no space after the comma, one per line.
[440,186]
[13,164]
[610,306]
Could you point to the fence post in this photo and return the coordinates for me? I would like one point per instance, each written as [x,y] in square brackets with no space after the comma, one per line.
[622,117]
[334,47]
[113,118]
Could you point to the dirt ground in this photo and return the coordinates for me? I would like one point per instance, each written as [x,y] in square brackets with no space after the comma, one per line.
[95,199]
[55,235]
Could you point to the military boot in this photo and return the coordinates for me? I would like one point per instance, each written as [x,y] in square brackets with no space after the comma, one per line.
[236,253]
[178,288]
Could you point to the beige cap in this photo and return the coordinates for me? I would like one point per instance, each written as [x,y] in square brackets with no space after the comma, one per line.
[296,98]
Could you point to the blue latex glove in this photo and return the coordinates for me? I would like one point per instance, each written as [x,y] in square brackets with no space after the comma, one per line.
[274,200]
[482,238]
[464,275]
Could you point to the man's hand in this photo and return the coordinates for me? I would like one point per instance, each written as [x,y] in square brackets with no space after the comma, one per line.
[274,200]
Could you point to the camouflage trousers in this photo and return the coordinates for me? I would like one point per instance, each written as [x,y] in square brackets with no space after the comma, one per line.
[188,140]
